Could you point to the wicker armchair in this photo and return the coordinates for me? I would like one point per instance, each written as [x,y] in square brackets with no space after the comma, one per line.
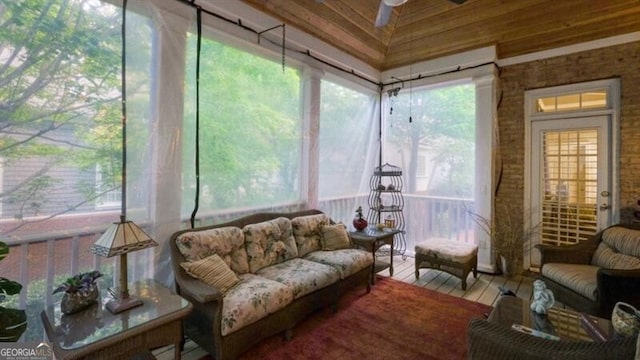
[491,341]
[595,274]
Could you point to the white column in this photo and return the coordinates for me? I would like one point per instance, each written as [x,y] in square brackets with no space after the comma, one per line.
[486,123]
[311,87]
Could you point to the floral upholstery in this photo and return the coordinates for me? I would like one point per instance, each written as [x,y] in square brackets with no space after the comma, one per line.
[253,298]
[578,277]
[346,261]
[619,249]
[226,242]
[302,276]
[269,243]
[306,231]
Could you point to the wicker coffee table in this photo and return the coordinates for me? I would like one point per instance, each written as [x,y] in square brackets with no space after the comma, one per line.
[95,333]
[565,324]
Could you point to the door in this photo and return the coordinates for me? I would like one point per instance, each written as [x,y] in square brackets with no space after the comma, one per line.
[571,193]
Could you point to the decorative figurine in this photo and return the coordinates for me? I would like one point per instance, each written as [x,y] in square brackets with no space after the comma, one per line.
[543,298]
[359,222]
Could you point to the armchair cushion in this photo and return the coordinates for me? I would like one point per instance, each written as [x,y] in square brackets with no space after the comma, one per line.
[619,249]
[580,278]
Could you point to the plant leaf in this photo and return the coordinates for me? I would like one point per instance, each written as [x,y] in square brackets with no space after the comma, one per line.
[10,287]
[4,250]
[13,323]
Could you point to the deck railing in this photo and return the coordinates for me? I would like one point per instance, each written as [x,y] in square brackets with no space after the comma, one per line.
[41,262]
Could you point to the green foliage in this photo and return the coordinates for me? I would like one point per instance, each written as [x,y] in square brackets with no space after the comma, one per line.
[249,128]
[58,77]
[443,123]
[13,322]
[81,283]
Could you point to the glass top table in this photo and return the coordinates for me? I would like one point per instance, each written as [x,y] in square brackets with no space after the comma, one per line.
[96,329]
[562,323]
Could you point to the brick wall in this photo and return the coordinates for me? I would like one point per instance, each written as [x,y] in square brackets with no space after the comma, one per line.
[621,61]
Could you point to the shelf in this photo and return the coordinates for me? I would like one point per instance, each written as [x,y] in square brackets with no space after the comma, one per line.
[387,204]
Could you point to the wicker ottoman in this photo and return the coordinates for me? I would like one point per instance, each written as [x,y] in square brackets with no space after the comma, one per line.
[456,258]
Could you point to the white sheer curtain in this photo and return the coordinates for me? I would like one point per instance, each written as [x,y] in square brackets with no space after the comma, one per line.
[272,138]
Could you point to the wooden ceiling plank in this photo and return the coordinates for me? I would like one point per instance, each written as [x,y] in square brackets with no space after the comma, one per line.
[352,12]
[578,34]
[307,20]
[528,16]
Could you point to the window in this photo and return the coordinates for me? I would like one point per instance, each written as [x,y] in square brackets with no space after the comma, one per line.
[430,134]
[250,135]
[346,123]
[586,100]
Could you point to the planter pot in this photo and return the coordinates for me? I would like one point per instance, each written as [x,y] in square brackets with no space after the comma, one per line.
[13,323]
[74,302]
[506,267]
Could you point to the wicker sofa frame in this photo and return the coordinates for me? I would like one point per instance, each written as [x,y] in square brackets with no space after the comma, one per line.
[203,324]
[613,285]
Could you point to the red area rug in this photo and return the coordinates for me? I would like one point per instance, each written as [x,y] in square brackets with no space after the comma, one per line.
[395,320]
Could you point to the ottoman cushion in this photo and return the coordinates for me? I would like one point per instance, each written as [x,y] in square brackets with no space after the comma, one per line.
[446,249]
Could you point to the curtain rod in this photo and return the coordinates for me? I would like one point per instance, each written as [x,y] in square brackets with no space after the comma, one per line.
[307,52]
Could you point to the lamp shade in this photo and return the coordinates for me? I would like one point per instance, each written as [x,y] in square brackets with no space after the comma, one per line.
[121,238]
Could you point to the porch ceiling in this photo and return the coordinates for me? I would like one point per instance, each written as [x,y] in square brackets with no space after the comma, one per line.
[426,29]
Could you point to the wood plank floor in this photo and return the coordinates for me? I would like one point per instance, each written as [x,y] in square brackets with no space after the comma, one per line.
[484,289]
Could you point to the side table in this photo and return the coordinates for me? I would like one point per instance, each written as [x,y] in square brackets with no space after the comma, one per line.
[372,239]
[95,333]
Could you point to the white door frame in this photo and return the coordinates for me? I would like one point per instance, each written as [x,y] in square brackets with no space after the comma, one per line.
[612,111]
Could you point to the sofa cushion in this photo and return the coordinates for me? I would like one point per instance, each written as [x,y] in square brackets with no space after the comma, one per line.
[303,276]
[335,237]
[619,249]
[346,261]
[578,277]
[227,242]
[213,271]
[269,243]
[253,298]
[306,231]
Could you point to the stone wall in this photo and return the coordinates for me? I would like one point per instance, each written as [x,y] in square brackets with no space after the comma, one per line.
[620,61]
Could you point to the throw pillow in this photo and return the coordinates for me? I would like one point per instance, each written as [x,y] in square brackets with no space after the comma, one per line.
[335,237]
[213,271]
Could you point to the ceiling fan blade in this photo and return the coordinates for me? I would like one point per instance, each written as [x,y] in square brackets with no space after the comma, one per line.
[458,1]
[384,13]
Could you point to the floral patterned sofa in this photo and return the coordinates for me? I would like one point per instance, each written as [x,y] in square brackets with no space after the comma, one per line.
[259,275]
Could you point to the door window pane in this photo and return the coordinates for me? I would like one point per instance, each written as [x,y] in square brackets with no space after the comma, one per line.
[570,186]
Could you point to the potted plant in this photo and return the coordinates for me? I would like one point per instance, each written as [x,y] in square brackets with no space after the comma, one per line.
[80,292]
[508,233]
[13,322]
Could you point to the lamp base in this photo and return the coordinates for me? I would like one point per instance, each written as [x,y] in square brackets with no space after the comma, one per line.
[122,304]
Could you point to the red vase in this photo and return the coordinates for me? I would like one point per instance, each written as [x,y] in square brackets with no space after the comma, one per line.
[360,224]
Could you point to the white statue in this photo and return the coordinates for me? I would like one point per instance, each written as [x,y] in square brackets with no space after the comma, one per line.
[543,298]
